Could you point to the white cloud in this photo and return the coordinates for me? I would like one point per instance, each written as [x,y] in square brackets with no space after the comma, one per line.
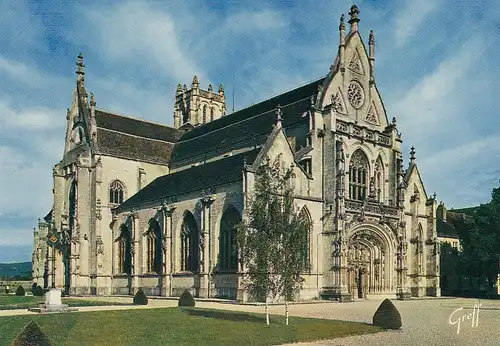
[15,236]
[411,17]
[31,119]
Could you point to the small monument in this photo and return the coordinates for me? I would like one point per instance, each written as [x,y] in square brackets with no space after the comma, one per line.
[53,303]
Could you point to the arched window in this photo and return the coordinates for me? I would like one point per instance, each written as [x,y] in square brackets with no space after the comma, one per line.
[116,192]
[212,114]
[305,218]
[379,179]
[154,249]
[204,120]
[228,250]
[358,175]
[124,251]
[190,244]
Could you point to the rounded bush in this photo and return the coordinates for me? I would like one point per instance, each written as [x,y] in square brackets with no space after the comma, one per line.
[31,335]
[20,291]
[186,299]
[387,316]
[33,286]
[140,298]
[38,291]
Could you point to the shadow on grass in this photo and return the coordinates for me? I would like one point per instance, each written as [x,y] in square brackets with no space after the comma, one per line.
[225,315]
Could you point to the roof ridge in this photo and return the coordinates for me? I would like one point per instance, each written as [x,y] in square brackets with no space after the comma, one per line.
[281,93]
[104,110]
[238,122]
[132,135]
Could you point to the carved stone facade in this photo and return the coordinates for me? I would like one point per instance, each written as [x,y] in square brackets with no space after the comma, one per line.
[158,211]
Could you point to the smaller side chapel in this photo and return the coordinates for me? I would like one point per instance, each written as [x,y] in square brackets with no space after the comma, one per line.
[144,205]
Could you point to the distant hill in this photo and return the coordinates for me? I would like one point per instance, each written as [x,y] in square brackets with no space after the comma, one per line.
[18,271]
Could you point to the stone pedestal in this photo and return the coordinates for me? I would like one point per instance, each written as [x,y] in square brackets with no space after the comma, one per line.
[53,303]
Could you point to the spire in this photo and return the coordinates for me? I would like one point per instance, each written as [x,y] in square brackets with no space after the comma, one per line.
[371,57]
[210,88]
[80,68]
[354,18]
[279,119]
[342,43]
[195,82]
[412,155]
[221,89]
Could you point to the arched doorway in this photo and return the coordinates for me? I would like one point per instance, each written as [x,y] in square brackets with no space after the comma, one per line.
[369,262]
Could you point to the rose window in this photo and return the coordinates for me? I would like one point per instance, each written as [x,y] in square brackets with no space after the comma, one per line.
[355,94]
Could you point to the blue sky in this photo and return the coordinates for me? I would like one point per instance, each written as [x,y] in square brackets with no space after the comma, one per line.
[436,67]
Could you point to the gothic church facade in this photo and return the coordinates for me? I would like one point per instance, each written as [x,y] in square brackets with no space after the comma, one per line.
[144,205]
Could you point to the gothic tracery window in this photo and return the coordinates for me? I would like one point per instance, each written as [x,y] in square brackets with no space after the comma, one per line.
[154,249]
[116,192]
[190,244]
[358,175]
[306,219]
[212,114]
[124,251]
[228,251]
[204,120]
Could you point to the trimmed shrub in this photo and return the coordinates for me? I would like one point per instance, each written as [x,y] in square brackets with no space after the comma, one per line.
[20,291]
[33,287]
[38,291]
[387,316]
[186,299]
[31,335]
[140,298]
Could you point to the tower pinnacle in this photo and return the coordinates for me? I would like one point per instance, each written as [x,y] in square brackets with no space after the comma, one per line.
[279,119]
[80,72]
[354,18]
[412,155]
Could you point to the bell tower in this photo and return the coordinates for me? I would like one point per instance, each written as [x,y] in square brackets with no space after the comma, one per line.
[195,106]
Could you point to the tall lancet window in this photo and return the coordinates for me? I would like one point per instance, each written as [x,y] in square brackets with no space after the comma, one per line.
[212,114]
[204,114]
[379,179]
[358,175]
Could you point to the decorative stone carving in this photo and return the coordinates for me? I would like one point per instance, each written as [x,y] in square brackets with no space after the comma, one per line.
[99,245]
[355,63]
[355,94]
[98,206]
[338,103]
[371,115]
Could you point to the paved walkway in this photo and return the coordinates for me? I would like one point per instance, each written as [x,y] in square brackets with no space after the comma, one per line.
[425,322]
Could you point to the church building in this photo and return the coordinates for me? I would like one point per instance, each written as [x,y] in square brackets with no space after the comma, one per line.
[144,205]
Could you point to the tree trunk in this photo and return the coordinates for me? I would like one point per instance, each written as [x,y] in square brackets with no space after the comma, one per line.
[267,312]
[286,312]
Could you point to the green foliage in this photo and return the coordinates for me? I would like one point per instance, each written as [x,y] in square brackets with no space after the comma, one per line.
[387,316]
[20,291]
[273,238]
[140,298]
[33,286]
[186,299]
[31,335]
[38,291]
[477,265]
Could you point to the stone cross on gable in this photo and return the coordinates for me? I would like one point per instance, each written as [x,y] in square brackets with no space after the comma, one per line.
[279,114]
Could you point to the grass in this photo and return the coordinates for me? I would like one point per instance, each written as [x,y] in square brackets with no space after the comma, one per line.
[11,302]
[178,326]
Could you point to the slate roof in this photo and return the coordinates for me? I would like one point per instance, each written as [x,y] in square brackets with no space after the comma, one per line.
[454,222]
[247,127]
[134,139]
[205,176]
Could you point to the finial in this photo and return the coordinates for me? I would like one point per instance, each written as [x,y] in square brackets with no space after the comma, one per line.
[412,154]
[371,41]
[434,195]
[179,88]
[195,81]
[210,88]
[184,87]
[342,23]
[278,115]
[92,100]
[80,67]
[394,121]
[221,89]
[354,18]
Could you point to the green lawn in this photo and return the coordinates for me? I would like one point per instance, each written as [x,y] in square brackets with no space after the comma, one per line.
[175,326]
[10,302]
